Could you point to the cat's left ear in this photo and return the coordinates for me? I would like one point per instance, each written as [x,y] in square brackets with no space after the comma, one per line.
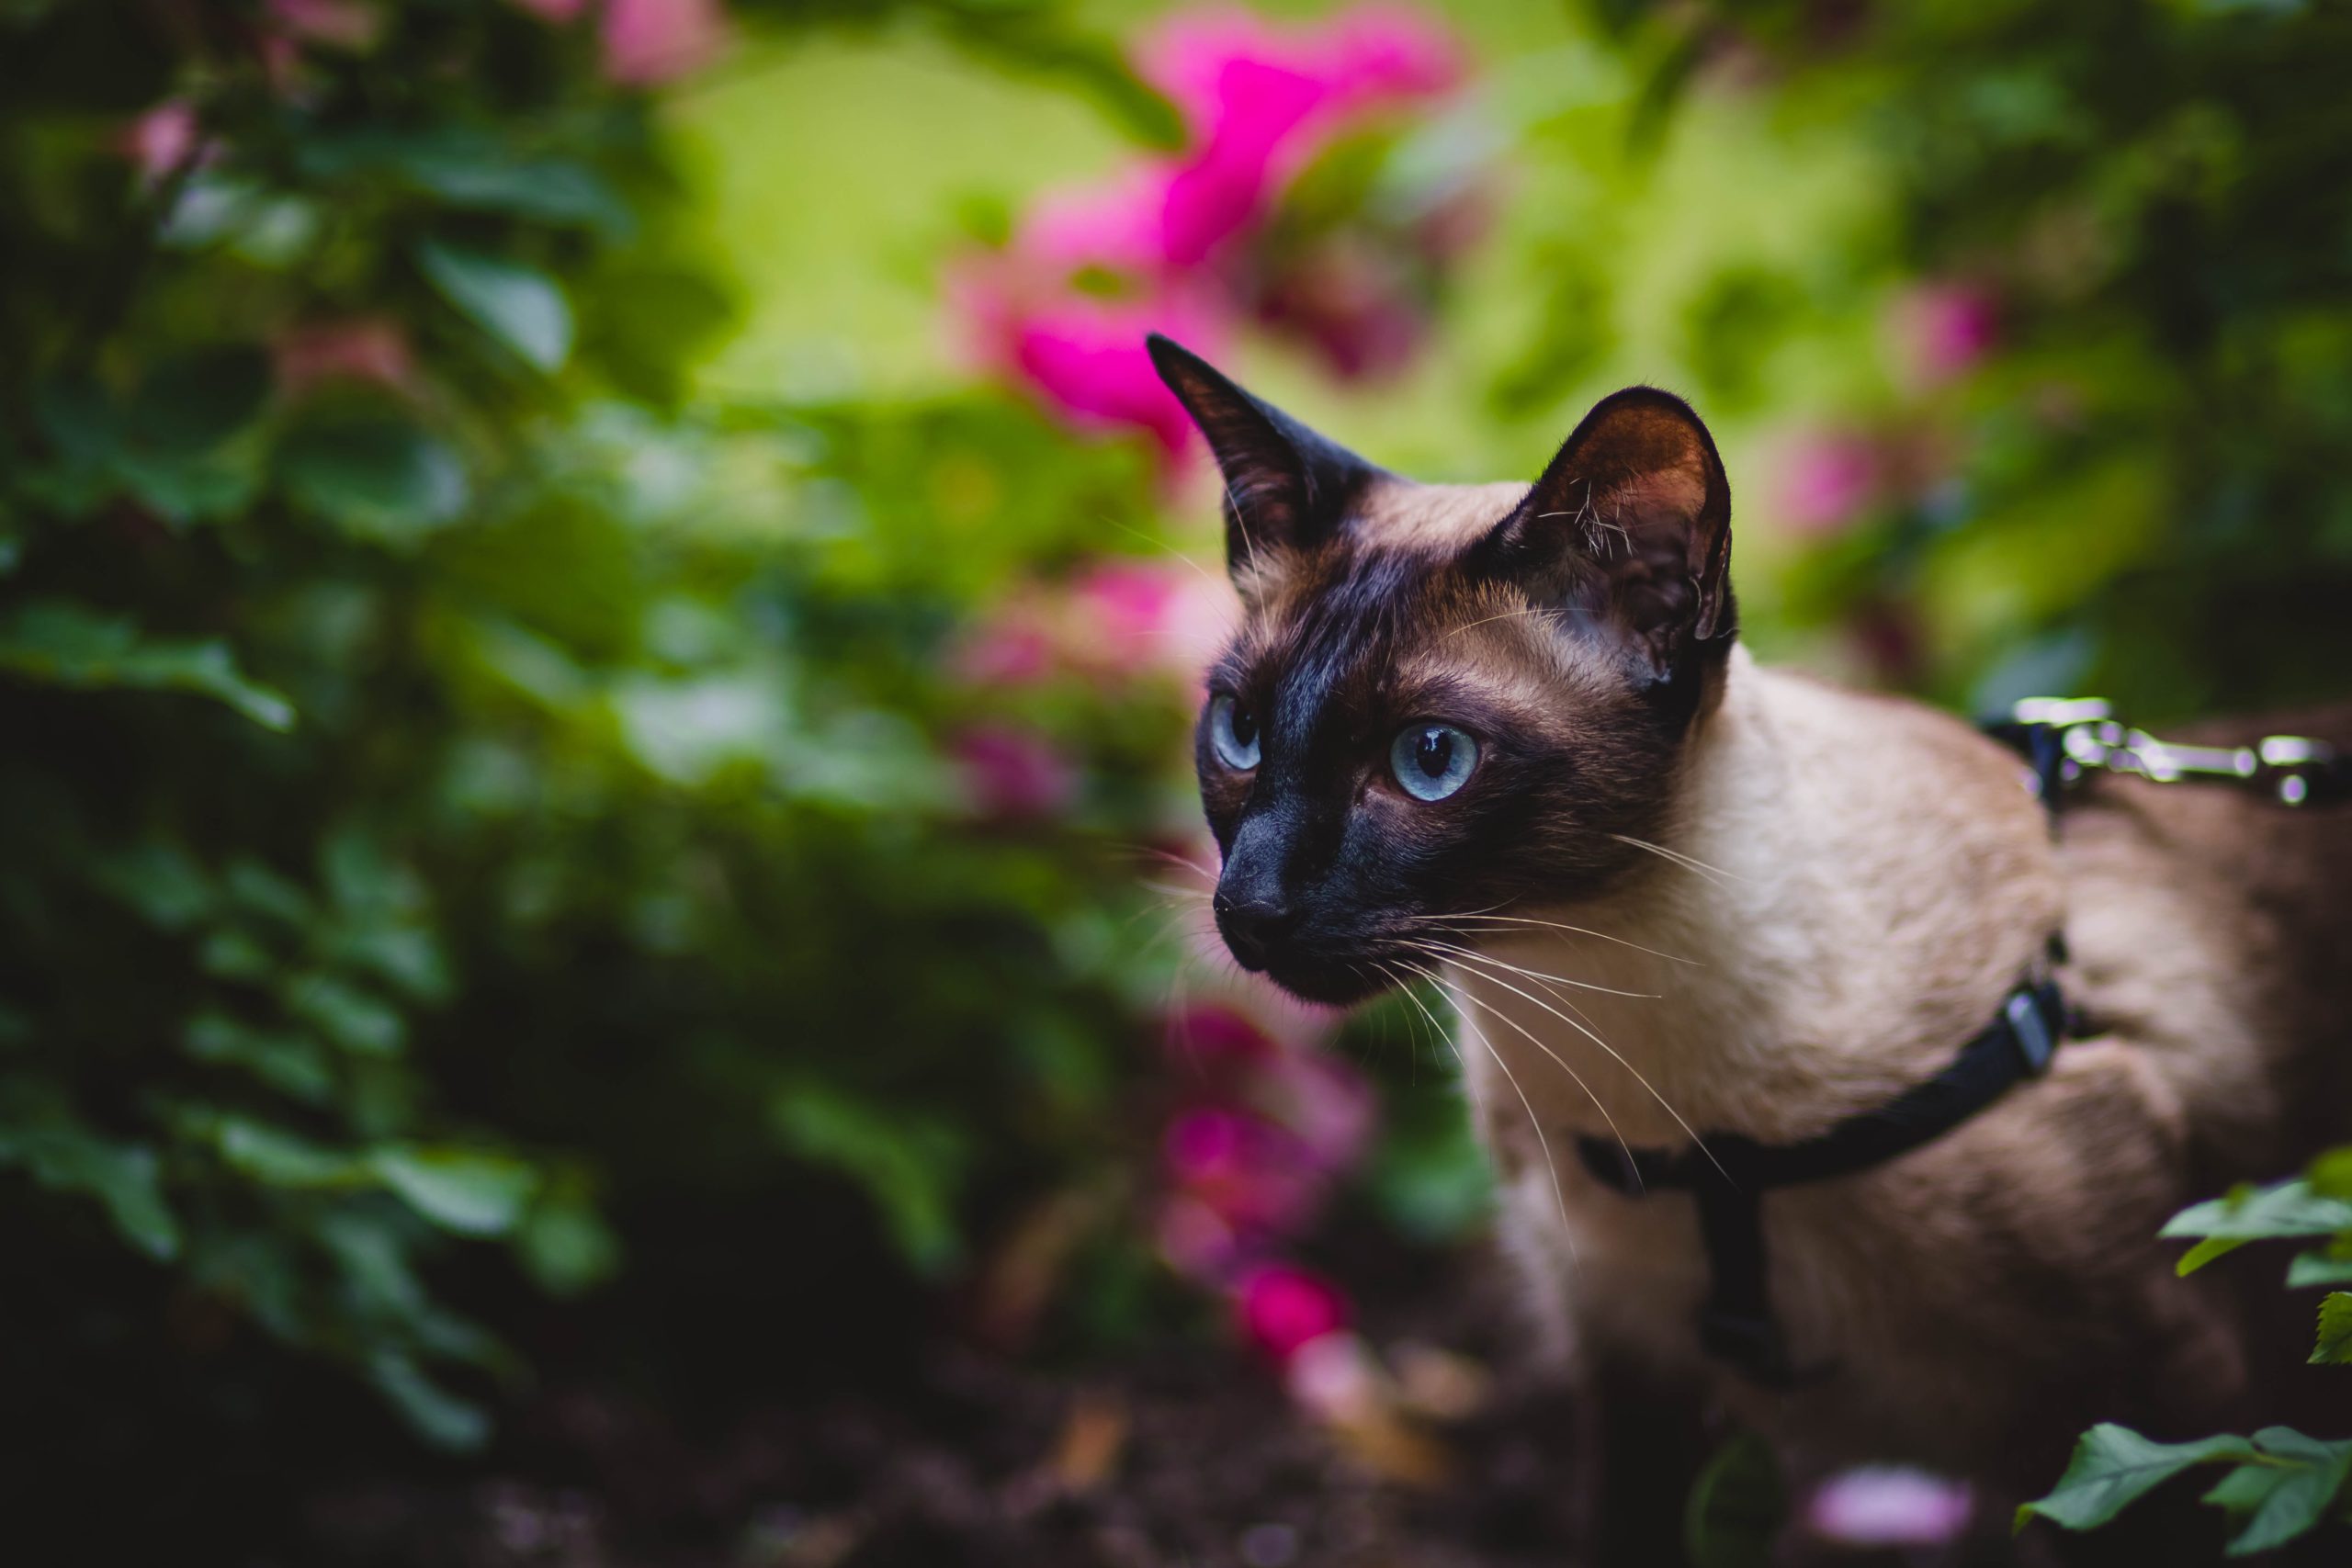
[1286,487]
[1632,522]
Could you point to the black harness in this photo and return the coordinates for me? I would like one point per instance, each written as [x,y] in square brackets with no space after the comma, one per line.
[1728,1174]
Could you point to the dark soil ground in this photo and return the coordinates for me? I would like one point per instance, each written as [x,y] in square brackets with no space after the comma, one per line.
[1186,1457]
[1192,1456]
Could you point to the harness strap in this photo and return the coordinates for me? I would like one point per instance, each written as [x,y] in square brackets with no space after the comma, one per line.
[2061,740]
[1729,1175]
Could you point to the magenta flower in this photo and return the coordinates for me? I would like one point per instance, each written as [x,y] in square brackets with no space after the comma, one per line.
[1826,480]
[1888,1507]
[1943,330]
[1011,774]
[1262,101]
[1283,1308]
[1063,307]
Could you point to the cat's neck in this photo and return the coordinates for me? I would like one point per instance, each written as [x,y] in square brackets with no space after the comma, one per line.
[1849,886]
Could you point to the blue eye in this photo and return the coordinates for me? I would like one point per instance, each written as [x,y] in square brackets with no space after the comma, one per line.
[1233,734]
[1433,760]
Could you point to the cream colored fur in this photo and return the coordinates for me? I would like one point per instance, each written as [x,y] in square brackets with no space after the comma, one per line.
[1860,882]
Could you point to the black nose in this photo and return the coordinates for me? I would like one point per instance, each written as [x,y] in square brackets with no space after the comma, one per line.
[1253,928]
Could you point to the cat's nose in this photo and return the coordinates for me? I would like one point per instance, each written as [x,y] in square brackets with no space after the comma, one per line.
[1252,927]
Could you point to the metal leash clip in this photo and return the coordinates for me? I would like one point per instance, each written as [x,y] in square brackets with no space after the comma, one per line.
[2066,736]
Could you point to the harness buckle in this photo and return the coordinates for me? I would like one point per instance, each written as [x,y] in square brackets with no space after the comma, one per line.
[2036,1041]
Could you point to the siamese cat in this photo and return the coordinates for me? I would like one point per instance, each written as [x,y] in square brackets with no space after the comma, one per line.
[1503,739]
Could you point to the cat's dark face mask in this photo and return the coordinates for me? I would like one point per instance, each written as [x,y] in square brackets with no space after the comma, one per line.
[1446,704]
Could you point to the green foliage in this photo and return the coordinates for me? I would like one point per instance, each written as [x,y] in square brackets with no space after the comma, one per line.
[452,796]
[2131,489]
[2282,1484]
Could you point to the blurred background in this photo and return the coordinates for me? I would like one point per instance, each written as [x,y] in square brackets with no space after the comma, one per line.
[600,940]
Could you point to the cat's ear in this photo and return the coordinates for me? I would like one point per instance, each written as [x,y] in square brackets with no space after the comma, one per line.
[1286,487]
[1632,522]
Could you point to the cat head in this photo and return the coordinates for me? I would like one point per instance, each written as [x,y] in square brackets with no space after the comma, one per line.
[1445,701]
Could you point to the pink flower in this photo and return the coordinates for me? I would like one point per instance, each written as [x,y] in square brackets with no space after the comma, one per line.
[1253,1176]
[1213,1037]
[1195,1240]
[1943,330]
[162,139]
[373,349]
[1826,480]
[1888,1507]
[1010,772]
[1012,647]
[650,42]
[1283,1308]
[1065,306]
[1262,101]
[646,43]
[351,26]
[1116,620]
[1090,359]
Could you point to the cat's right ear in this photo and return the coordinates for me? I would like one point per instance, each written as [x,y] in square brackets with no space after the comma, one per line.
[1286,487]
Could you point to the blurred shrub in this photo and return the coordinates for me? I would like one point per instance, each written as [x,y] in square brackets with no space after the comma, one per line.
[453,797]
[2112,457]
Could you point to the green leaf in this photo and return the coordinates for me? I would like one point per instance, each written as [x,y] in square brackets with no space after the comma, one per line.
[1737,1506]
[521,307]
[354,1020]
[276,1158]
[435,1414]
[461,1189]
[378,478]
[291,1064]
[565,1244]
[2320,1265]
[2286,1209]
[906,1165]
[2114,1466]
[64,1156]
[2205,1252]
[2331,1174]
[2335,1346]
[2287,1493]
[64,643]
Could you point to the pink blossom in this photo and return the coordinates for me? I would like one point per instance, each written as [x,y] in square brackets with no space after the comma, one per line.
[1943,330]
[1261,102]
[1195,1240]
[1826,480]
[164,139]
[1888,1507]
[1116,620]
[1212,1037]
[1283,1308]
[1010,772]
[352,26]
[1014,645]
[1253,1175]
[1065,306]
[1090,360]
[646,43]
[374,349]
[650,42]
